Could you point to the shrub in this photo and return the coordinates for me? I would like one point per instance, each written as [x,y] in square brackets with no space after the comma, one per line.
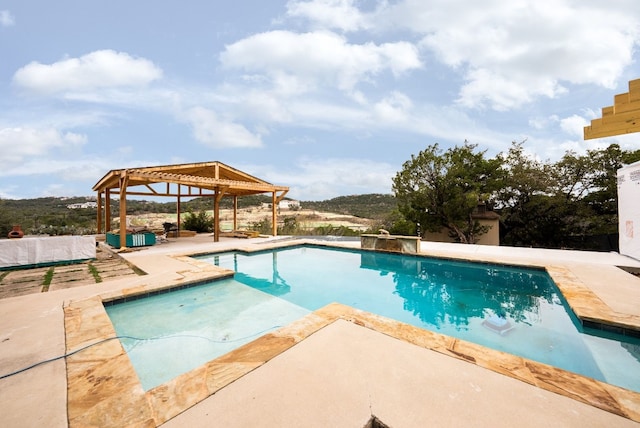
[263,226]
[200,222]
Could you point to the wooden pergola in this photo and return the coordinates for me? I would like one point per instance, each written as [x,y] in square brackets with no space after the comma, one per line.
[207,179]
[623,117]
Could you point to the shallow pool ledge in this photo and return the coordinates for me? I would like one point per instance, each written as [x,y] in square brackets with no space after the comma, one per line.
[589,308]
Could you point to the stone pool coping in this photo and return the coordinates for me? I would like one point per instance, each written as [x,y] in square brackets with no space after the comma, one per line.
[103,388]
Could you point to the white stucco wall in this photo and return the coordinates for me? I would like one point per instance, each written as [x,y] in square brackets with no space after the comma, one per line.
[629,210]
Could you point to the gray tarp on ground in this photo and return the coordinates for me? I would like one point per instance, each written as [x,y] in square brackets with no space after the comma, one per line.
[34,251]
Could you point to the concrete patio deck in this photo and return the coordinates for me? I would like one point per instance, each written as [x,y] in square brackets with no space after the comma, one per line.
[346,369]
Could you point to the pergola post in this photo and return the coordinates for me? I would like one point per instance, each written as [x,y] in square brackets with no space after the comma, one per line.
[216,220]
[124,180]
[178,210]
[235,212]
[107,210]
[217,197]
[274,214]
[99,214]
[275,203]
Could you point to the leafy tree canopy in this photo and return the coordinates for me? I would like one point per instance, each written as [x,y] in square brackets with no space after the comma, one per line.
[541,204]
[441,189]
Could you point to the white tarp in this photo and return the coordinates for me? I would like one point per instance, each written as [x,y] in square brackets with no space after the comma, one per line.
[629,210]
[44,250]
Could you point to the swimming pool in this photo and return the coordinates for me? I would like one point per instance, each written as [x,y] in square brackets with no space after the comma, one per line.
[515,310]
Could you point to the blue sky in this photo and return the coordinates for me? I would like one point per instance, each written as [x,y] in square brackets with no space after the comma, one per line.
[328,97]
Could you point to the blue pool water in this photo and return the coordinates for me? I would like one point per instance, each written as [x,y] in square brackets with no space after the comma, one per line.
[516,310]
[184,329]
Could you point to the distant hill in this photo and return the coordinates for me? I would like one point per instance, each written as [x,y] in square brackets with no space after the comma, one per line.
[373,205]
[52,215]
[47,215]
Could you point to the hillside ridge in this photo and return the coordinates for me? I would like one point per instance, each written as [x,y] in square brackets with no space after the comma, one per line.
[53,215]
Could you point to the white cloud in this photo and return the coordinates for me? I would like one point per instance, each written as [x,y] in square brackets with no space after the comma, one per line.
[362,72]
[263,105]
[297,63]
[590,114]
[508,54]
[209,129]
[301,140]
[543,122]
[553,148]
[574,125]
[9,192]
[337,14]
[76,169]
[6,18]
[67,176]
[320,179]
[512,53]
[504,92]
[97,70]
[19,145]
[393,109]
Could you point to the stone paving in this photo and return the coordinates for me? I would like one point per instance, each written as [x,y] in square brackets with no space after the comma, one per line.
[107,265]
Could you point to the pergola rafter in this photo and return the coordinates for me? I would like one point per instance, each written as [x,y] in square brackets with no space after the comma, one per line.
[206,179]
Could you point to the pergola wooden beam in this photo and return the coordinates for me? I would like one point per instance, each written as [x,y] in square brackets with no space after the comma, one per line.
[274,213]
[200,182]
[198,178]
[621,118]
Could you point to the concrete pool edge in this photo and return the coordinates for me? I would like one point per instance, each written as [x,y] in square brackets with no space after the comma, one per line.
[590,309]
[103,388]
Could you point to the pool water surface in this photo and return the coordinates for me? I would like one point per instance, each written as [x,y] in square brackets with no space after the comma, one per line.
[183,329]
[516,310]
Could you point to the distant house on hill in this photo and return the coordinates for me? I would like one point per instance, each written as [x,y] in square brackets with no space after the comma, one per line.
[289,204]
[82,205]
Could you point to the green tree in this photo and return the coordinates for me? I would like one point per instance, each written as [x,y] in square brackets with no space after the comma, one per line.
[603,195]
[396,224]
[200,222]
[289,227]
[5,220]
[559,204]
[437,190]
[263,226]
[523,197]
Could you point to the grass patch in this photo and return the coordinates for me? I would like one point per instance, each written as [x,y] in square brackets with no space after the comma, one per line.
[3,275]
[47,280]
[94,271]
